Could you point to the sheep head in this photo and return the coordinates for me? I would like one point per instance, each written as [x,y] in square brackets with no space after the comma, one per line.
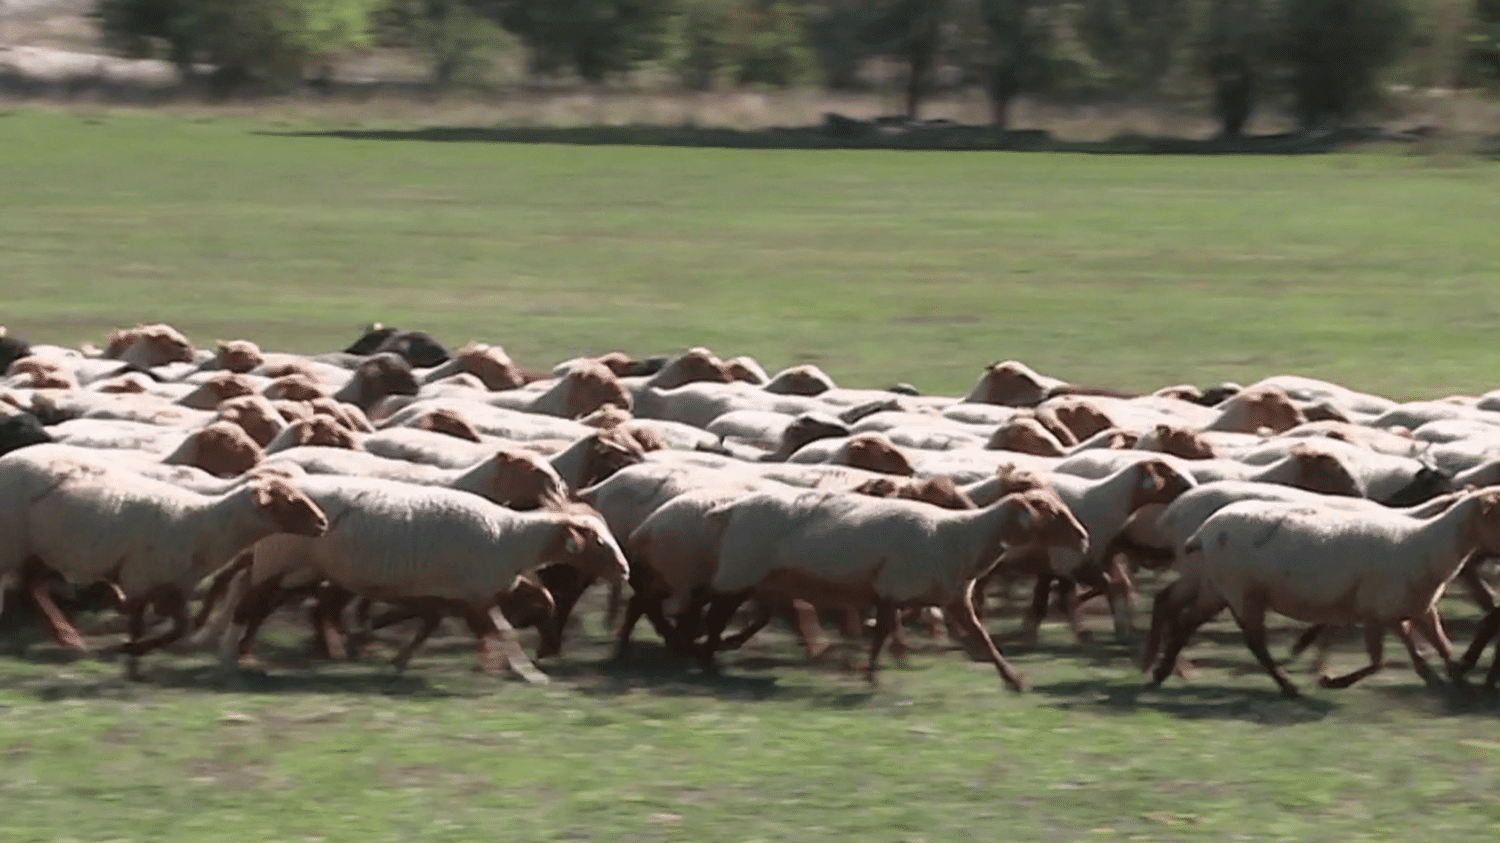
[810,427]
[385,374]
[294,387]
[1011,384]
[238,356]
[1080,417]
[585,543]
[288,507]
[607,416]
[522,480]
[255,415]
[1025,436]
[148,346]
[1324,473]
[747,370]
[874,452]
[491,365]
[529,604]
[449,422]
[1181,442]
[324,431]
[800,380]
[1157,482]
[1484,530]
[1041,518]
[697,364]
[221,449]
[590,386]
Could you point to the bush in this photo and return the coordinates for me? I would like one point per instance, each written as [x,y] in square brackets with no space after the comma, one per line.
[746,42]
[269,44]
[593,38]
[1334,51]
[458,41]
[1481,61]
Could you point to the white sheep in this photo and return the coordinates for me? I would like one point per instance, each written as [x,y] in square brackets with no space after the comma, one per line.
[864,551]
[89,521]
[438,549]
[1328,566]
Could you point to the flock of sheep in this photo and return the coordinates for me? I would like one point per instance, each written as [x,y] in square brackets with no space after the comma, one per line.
[396,476]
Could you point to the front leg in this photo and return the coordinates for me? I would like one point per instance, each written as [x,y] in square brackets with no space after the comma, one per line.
[1375,646]
[168,601]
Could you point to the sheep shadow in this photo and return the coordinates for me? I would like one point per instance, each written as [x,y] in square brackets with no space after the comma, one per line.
[1186,702]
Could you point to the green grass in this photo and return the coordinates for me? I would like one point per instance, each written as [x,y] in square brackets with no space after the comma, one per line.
[1377,270]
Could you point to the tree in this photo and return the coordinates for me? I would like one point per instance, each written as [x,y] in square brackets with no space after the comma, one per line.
[269,44]
[594,38]
[1136,40]
[912,30]
[1335,50]
[1015,43]
[1235,48]
[751,42]
[456,38]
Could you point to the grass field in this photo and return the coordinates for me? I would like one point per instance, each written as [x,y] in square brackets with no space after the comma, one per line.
[1374,269]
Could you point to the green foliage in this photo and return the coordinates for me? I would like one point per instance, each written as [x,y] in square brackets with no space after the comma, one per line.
[1334,51]
[459,42]
[593,38]
[1134,41]
[837,34]
[1481,59]
[743,42]
[266,43]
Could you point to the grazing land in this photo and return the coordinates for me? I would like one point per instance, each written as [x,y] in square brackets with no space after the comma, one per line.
[1376,270]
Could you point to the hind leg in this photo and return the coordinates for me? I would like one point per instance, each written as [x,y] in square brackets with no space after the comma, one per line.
[1375,647]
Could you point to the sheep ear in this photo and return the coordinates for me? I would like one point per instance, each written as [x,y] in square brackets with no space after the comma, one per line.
[1162,430]
[574,542]
[1302,450]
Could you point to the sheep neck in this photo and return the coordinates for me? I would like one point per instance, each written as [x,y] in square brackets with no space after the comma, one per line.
[974,536]
[1442,543]
[220,530]
[570,462]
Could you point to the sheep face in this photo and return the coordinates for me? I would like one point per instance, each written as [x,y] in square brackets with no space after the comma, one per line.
[253,415]
[1326,474]
[1180,392]
[1025,436]
[1271,409]
[387,374]
[149,345]
[1427,484]
[1013,480]
[1486,524]
[528,604]
[746,370]
[347,415]
[810,427]
[590,387]
[524,481]
[938,491]
[1010,384]
[325,431]
[1157,482]
[606,417]
[583,542]
[1324,411]
[608,452]
[294,387]
[1122,440]
[698,364]
[293,411]
[873,452]
[491,365]
[1082,418]
[622,364]
[1043,519]
[1216,395]
[449,422]
[21,430]
[218,389]
[373,336]
[288,507]
[224,450]
[238,356]
[1184,443]
[800,380]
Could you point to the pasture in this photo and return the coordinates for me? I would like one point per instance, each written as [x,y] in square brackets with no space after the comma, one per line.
[1372,269]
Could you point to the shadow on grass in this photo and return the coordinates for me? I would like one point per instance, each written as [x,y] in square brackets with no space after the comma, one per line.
[1189,702]
[858,135]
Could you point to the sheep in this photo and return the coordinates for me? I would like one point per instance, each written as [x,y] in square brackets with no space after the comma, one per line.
[584,389]
[489,421]
[1103,507]
[871,551]
[800,380]
[40,373]
[220,448]
[1327,566]
[1014,384]
[318,430]
[12,348]
[1303,466]
[417,348]
[1028,436]
[19,429]
[148,346]
[1155,537]
[698,404]
[489,363]
[869,451]
[1310,389]
[444,549]
[1258,407]
[1392,480]
[379,375]
[255,415]
[696,365]
[747,370]
[294,387]
[217,389]
[89,521]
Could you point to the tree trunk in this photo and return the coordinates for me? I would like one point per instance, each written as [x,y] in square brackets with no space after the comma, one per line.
[1234,93]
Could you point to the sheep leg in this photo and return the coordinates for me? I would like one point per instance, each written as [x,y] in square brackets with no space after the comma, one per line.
[54,621]
[327,613]
[899,648]
[1430,625]
[510,648]
[1161,618]
[1375,646]
[1252,621]
[260,601]
[614,605]
[635,608]
[1040,597]
[217,588]
[170,602]
[885,621]
[566,584]
[757,622]
[1483,635]
[430,621]
[1121,591]
[809,633]
[963,612]
[1068,606]
[720,610]
[1493,675]
[1474,582]
[1182,623]
[1404,630]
